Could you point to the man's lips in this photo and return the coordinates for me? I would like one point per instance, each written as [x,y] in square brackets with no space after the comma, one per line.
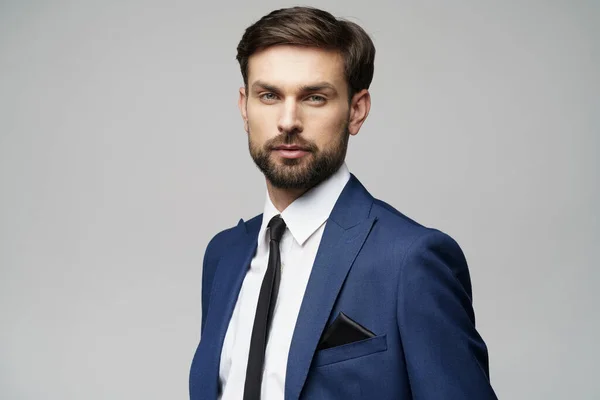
[289,147]
[290,151]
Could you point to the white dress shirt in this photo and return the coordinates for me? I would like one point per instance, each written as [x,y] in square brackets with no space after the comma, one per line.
[305,219]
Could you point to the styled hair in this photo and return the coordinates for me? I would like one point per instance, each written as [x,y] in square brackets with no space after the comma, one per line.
[311,27]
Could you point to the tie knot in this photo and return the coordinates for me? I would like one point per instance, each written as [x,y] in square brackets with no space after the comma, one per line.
[276,228]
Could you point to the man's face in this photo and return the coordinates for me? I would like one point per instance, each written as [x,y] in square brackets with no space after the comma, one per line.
[296,114]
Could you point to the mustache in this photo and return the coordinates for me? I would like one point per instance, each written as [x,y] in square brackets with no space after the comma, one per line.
[290,140]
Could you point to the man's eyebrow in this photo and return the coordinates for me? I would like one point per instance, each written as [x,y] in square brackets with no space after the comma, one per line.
[260,85]
[265,86]
[316,87]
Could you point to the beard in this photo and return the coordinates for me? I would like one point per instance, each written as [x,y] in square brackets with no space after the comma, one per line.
[299,173]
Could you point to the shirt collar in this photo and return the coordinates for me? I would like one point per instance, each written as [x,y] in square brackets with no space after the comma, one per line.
[308,212]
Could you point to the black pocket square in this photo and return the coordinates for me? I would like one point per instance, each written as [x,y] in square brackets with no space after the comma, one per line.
[343,330]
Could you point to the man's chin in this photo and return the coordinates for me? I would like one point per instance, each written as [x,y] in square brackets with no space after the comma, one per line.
[291,168]
[289,176]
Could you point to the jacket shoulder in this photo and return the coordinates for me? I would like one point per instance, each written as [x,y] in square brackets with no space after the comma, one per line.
[400,228]
[227,237]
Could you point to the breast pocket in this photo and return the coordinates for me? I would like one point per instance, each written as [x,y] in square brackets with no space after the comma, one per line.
[350,351]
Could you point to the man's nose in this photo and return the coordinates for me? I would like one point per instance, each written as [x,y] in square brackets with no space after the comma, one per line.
[290,118]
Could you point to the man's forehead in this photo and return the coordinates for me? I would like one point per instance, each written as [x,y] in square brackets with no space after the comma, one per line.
[296,66]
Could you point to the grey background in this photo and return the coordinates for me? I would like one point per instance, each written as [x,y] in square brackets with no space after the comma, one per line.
[122,152]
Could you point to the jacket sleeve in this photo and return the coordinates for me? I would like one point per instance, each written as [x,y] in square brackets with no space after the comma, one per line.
[446,357]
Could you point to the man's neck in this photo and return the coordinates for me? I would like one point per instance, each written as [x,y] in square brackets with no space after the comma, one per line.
[282,198]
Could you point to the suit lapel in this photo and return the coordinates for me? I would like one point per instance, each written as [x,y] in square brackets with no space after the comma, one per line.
[227,282]
[345,232]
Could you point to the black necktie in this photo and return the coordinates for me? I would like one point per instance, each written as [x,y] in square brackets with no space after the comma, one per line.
[264,312]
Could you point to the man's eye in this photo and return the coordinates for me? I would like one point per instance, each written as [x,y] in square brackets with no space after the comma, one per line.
[268,96]
[316,99]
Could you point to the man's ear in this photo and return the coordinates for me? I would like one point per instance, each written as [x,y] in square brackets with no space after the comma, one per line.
[360,105]
[242,107]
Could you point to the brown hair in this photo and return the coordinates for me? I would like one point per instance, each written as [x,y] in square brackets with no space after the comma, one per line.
[311,27]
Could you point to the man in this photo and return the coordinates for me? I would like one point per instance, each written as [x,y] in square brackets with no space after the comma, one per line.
[329,293]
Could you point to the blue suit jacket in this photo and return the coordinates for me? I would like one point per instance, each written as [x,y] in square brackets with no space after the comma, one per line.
[406,283]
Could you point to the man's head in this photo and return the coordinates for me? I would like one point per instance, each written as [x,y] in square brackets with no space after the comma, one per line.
[306,79]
